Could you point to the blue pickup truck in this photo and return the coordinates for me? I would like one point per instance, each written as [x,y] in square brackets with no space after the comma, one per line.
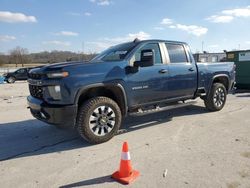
[134,78]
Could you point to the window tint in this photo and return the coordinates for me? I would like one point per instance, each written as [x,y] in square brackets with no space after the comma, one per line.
[153,46]
[21,71]
[115,56]
[115,53]
[176,53]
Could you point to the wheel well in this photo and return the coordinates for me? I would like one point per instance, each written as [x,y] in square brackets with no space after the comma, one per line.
[112,92]
[223,80]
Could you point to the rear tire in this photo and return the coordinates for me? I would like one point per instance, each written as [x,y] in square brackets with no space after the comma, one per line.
[98,120]
[216,98]
[11,80]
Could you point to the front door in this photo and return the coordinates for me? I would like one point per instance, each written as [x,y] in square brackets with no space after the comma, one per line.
[21,74]
[149,83]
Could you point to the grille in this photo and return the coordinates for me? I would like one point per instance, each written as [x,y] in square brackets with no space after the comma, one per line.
[36,91]
[35,76]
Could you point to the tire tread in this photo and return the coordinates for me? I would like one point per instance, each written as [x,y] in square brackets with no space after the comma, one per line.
[82,122]
[208,101]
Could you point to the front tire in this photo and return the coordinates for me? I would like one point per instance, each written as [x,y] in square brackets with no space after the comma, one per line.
[216,99]
[98,120]
[11,80]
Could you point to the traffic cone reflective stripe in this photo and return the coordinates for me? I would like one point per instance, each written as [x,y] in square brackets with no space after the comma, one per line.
[125,156]
[125,174]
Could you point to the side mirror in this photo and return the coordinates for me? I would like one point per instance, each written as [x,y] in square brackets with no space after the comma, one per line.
[147,58]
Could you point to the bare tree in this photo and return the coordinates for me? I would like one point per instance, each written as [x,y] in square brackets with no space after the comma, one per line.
[19,55]
[1,59]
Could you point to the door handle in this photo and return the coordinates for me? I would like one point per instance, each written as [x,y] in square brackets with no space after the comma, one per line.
[162,71]
[191,69]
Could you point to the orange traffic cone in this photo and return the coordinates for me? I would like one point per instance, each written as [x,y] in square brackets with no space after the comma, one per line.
[125,174]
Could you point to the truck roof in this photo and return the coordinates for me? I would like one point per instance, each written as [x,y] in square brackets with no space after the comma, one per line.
[159,40]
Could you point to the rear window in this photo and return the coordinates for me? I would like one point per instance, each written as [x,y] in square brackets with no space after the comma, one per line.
[176,53]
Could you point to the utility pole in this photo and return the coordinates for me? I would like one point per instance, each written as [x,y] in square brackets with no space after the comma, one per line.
[202,46]
[83,55]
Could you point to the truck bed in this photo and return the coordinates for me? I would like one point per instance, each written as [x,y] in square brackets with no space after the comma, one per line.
[207,71]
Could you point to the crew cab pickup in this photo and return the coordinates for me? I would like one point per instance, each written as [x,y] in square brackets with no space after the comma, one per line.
[134,78]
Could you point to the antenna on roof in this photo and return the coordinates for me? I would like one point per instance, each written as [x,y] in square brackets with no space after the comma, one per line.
[136,40]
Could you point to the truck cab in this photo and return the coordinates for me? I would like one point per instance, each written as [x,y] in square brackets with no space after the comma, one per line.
[171,76]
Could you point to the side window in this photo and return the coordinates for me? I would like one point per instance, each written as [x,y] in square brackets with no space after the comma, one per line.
[20,71]
[153,46]
[176,53]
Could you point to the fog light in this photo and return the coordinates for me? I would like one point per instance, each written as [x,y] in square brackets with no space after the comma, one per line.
[57,89]
[55,92]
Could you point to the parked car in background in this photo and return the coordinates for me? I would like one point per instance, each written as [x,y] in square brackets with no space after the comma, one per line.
[20,74]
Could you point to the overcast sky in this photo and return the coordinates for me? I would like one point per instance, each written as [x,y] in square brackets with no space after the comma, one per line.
[93,25]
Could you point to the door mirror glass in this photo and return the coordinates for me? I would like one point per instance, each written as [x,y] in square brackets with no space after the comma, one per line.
[147,58]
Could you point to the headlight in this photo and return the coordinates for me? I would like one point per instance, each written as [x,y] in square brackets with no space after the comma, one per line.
[58,75]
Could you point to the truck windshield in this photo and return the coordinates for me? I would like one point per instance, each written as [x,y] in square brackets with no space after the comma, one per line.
[115,53]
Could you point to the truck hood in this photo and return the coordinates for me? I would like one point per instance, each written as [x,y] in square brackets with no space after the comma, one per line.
[64,64]
[58,66]
[82,69]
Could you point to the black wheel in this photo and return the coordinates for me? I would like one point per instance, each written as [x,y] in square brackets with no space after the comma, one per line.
[11,80]
[216,99]
[98,119]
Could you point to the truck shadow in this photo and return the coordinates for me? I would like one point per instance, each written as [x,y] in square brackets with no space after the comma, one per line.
[140,122]
[242,93]
[32,137]
[242,96]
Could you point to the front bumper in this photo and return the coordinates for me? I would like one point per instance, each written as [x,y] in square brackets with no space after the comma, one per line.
[53,114]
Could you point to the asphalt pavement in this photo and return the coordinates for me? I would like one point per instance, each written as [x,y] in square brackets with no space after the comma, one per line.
[186,147]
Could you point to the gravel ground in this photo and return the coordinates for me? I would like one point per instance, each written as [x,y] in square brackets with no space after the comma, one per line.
[187,147]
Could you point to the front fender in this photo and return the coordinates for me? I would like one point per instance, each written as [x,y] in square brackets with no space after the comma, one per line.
[111,86]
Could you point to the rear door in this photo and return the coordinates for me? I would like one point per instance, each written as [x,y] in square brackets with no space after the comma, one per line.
[182,80]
